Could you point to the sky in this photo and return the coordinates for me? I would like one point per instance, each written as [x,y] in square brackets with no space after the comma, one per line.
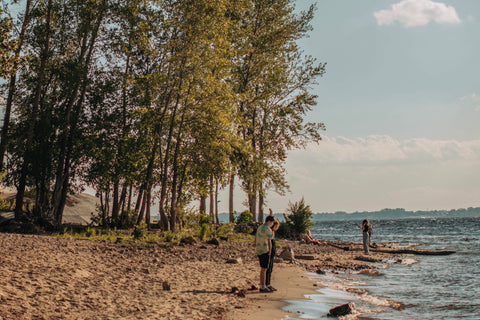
[401,104]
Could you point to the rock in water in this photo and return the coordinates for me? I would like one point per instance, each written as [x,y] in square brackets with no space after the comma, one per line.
[342,310]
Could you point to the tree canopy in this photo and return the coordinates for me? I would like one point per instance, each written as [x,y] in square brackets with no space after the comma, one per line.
[153,101]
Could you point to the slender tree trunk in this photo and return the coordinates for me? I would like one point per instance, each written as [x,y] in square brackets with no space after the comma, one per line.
[147,214]
[138,203]
[34,114]
[175,173]
[71,118]
[230,198]
[116,202]
[142,209]
[130,191]
[252,202]
[203,204]
[216,203]
[212,197]
[260,204]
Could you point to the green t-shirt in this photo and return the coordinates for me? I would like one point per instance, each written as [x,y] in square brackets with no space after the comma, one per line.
[264,233]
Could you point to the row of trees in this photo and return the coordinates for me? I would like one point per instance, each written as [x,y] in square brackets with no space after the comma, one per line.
[152,100]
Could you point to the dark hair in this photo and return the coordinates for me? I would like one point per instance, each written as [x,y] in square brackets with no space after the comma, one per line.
[270,218]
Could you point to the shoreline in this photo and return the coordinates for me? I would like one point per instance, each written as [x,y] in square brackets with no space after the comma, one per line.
[291,282]
[49,277]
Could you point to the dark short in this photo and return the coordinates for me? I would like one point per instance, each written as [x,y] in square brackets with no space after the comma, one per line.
[264,260]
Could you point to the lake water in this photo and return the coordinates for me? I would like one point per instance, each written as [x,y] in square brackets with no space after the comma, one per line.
[423,287]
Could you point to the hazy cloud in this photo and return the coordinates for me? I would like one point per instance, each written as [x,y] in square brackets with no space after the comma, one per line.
[412,13]
[472,98]
[376,149]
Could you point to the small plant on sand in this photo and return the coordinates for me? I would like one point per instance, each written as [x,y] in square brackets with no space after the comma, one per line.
[206,226]
[224,231]
[169,236]
[298,221]
[140,231]
[91,232]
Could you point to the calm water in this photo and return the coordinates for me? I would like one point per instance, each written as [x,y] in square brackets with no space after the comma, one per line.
[435,287]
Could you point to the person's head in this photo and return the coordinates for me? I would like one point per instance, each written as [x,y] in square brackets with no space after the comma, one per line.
[308,232]
[365,222]
[269,220]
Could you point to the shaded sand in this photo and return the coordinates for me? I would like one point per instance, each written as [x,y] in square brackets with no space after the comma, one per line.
[78,208]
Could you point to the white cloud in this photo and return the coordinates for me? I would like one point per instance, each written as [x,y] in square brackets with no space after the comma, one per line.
[412,13]
[381,149]
[379,171]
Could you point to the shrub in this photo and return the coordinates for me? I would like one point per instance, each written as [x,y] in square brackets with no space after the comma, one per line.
[140,231]
[244,217]
[298,221]
[91,232]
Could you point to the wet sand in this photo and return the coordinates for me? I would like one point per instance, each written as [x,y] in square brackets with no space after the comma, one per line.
[46,277]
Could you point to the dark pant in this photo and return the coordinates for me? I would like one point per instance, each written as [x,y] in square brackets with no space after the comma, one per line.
[270,264]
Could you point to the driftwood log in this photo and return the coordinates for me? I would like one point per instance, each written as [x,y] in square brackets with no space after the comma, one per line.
[423,252]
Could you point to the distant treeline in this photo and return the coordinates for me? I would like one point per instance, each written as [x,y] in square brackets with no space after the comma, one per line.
[398,213]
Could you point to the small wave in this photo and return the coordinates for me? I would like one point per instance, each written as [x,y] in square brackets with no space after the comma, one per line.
[371,272]
[381,302]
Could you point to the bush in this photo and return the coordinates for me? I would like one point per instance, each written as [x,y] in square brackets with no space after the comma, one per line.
[91,232]
[140,231]
[244,217]
[206,226]
[298,221]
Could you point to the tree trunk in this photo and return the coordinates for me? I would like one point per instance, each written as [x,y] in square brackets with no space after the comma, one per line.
[212,197]
[116,202]
[260,205]
[142,209]
[203,204]
[216,203]
[34,114]
[76,97]
[139,198]
[231,218]
[147,214]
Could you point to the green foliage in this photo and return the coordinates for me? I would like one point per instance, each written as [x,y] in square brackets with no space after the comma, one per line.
[129,218]
[244,217]
[177,93]
[7,205]
[169,236]
[140,231]
[224,230]
[91,232]
[298,221]
[7,47]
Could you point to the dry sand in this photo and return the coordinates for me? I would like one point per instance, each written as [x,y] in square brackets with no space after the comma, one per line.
[46,277]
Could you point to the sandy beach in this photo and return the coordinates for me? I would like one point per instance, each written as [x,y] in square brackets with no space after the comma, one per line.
[48,277]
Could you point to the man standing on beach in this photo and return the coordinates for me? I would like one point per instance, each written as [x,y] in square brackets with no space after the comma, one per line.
[263,243]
